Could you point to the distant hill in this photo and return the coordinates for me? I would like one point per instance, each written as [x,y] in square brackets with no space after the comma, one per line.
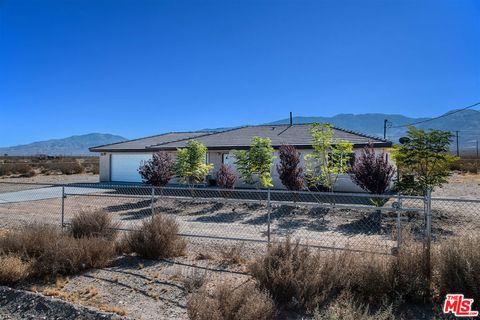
[74,145]
[467,122]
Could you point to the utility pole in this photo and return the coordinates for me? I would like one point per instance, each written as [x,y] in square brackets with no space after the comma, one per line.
[477,148]
[458,149]
[476,161]
[385,122]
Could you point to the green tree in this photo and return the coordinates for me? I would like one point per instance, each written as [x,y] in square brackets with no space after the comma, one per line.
[423,160]
[190,166]
[329,158]
[255,163]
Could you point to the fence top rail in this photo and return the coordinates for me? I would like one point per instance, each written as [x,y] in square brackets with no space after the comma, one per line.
[239,190]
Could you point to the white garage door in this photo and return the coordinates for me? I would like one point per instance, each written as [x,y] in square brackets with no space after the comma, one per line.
[124,167]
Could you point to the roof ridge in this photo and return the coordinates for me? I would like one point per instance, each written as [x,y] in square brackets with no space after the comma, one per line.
[360,134]
[147,137]
[190,138]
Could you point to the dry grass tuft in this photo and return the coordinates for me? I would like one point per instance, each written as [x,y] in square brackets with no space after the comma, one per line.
[113,309]
[157,238]
[346,308]
[298,277]
[457,264]
[94,224]
[53,252]
[13,269]
[231,254]
[230,301]
[194,280]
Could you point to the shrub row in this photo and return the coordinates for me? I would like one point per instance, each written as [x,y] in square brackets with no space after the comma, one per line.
[347,285]
[38,250]
[16,168]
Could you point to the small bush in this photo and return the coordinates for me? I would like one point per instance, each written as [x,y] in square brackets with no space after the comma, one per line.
[94,224]
[194,280]
[231,254]
[226,178]
[22,169]
[157,238]
[51,252]
[458,267]
[67,168]
[159,170]
[229,301]
[346,308]
[289,170]
[297,277]
[12,269]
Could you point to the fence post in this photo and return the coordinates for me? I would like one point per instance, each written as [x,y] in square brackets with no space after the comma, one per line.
[153,200]
[399,221]
[63,207]
[428,240]
[269,209]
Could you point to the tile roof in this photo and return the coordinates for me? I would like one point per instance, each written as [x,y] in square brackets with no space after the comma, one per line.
[297,135]
[142,143]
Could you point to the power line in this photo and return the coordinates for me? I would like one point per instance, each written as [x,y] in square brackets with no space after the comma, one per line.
[442,116]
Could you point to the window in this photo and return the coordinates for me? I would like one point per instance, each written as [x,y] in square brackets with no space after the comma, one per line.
[225,158]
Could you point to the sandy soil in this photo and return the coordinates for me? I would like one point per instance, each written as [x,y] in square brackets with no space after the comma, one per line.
[464,186]
[145,289]
[141,289]
[55,178]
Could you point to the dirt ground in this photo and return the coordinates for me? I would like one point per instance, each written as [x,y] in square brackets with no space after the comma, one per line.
[55,178]
[466,185]
[143,289]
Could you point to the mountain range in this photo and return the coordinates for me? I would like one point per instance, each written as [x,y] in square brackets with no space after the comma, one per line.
[467,122]
[74,145]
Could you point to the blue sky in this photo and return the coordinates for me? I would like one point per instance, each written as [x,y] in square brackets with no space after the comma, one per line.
[137,68]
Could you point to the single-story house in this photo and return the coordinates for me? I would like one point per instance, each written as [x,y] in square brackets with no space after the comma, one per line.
[119,162]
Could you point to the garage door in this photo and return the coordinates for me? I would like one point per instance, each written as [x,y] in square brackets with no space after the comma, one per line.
[124,167]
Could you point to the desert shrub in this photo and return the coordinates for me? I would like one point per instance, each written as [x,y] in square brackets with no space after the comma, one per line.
[230,301]
[12,269]
[298,277]
[68,168]
[159,170]
[465,165]
[194,280]
[457,264]
[346,308]
[22,169]
[289,170]
[51,252]
[30,240]
[93,224]
[231,254]
[92,167]
[157,238]
[68,255]
[372,171]
[226,178]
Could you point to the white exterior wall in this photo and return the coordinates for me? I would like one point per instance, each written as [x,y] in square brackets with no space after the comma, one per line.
[343,184]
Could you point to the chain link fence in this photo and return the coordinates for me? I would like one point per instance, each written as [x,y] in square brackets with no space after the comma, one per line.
[207,216]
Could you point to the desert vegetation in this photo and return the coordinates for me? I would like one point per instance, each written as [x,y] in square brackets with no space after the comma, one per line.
[343,285]
[47,165]
[159,170]
[156,238]
[38,250]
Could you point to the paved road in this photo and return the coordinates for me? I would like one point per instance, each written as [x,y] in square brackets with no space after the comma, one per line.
[45,193]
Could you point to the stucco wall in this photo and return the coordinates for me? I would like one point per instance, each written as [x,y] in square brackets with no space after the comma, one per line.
[104,165]
[343,184]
